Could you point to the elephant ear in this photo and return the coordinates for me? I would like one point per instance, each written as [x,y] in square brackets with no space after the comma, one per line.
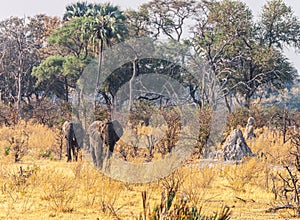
[113,133]
[118,129]
[66,128]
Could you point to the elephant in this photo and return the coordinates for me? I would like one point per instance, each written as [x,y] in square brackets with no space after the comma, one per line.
[103,136]
[74,135]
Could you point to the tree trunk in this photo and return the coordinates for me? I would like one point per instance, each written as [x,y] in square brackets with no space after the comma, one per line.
[284,130]
[227,104]
[19,92]
[247,100]
[66,90]
[134,63]
[99,70]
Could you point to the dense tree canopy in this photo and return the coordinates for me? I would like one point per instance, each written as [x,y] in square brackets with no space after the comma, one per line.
[44,55]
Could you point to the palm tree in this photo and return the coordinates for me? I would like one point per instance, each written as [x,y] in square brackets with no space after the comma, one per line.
[107,26]
[81,9]
[77,9]
[107,23]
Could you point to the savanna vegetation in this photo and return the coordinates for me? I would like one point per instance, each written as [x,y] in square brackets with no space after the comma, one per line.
[216,50]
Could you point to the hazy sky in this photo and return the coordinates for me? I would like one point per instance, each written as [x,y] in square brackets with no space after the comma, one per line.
[23,8]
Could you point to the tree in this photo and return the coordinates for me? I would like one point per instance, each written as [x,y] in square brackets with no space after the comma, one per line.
[108,26]
[40,28]
[23,45]
[137,23]
[57,73]
[81,9]
[18,55]
[168,17]
[106,23]
[279,26]
[72,38]
[238,56]
[73,51]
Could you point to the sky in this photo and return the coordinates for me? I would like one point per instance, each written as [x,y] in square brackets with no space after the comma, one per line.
[23,8]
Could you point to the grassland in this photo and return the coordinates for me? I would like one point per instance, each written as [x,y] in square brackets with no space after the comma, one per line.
[50,188]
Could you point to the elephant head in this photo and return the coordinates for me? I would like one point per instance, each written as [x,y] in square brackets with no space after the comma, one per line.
[103,137]
[74,135]
[112,132]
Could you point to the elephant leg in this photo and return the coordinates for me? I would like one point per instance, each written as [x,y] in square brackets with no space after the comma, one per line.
[69,146]
[96,152]
[74,152]
[78,153]
[99,155]
[106,158]
[93,153]
[75,148]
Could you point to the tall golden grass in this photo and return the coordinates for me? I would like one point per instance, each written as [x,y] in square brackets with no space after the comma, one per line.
[54,189]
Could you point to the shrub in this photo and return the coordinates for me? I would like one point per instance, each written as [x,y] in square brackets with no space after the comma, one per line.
[182,211]
[29,139]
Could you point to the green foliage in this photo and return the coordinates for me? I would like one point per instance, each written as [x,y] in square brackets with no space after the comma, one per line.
[229,17]
[123,74]
[57,73]
[7,150]
[47,154]
[58,67]
[182,211]
[73,38]
[51,67]
[238,54]
[81,9]
[279,26]
[108,24]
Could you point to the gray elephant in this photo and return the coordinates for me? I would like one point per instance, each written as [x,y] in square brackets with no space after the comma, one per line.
[74,135]
[103,136]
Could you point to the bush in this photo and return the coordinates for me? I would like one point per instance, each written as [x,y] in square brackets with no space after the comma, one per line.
[29,139]
[182,211]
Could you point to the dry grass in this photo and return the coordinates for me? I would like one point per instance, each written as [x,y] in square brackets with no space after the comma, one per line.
[35,140]
[78,191]
[270,142]
[59,190]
